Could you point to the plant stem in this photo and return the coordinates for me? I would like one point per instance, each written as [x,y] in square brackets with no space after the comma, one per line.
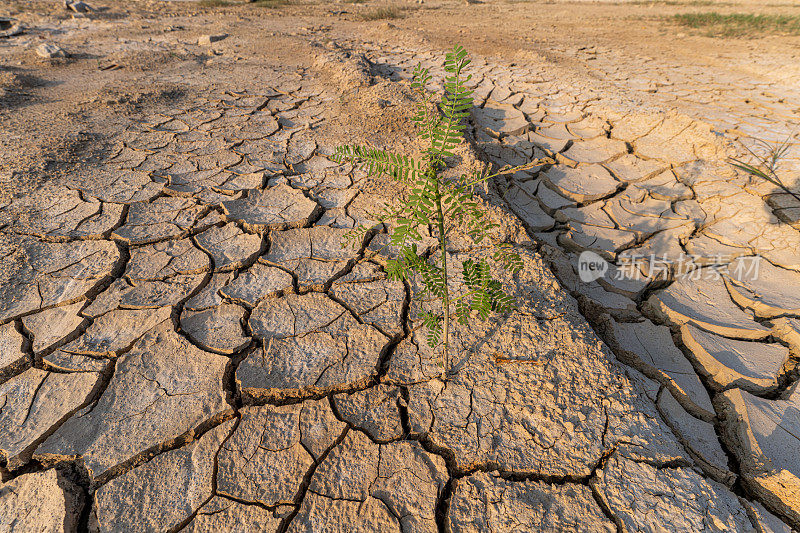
[446,298]
[785,188]
[526,166]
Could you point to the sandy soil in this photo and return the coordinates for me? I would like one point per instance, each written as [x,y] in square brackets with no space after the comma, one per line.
[137,55]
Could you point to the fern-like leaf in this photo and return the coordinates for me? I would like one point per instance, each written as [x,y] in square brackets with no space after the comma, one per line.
[455,106]
[462,311]
[433,277]
[396,269]
[355,237]
[478,280]
[488,292]
[507,257]
[501,301]
[433,323]
[471,271]
[378,162]
[425,120]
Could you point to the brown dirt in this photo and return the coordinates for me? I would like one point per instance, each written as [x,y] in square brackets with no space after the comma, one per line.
[135,56]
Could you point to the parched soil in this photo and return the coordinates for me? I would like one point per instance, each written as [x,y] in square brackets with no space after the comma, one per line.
[185,344]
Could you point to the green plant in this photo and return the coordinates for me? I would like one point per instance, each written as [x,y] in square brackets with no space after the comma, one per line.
[766,166]
[445,205]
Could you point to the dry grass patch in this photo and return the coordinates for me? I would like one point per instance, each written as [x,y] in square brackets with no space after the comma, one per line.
[384,13]
[213,3]
[272,3]
[740,24]
[674,3]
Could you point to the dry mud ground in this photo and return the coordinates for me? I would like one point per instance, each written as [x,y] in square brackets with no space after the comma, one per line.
[185,346]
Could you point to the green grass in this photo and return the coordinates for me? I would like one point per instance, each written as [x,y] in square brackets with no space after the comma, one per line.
[740,24]
[213,3]
[383,13]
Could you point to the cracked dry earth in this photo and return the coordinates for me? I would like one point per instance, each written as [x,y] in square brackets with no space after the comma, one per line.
[185,346]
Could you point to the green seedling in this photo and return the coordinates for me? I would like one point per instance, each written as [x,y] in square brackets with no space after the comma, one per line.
[440,205]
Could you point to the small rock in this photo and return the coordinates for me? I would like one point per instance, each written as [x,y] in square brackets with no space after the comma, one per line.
[206,40]
[10,28]
[78,7]
[49,51]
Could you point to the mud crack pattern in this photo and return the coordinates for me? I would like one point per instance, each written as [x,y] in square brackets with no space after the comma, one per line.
[184,345]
